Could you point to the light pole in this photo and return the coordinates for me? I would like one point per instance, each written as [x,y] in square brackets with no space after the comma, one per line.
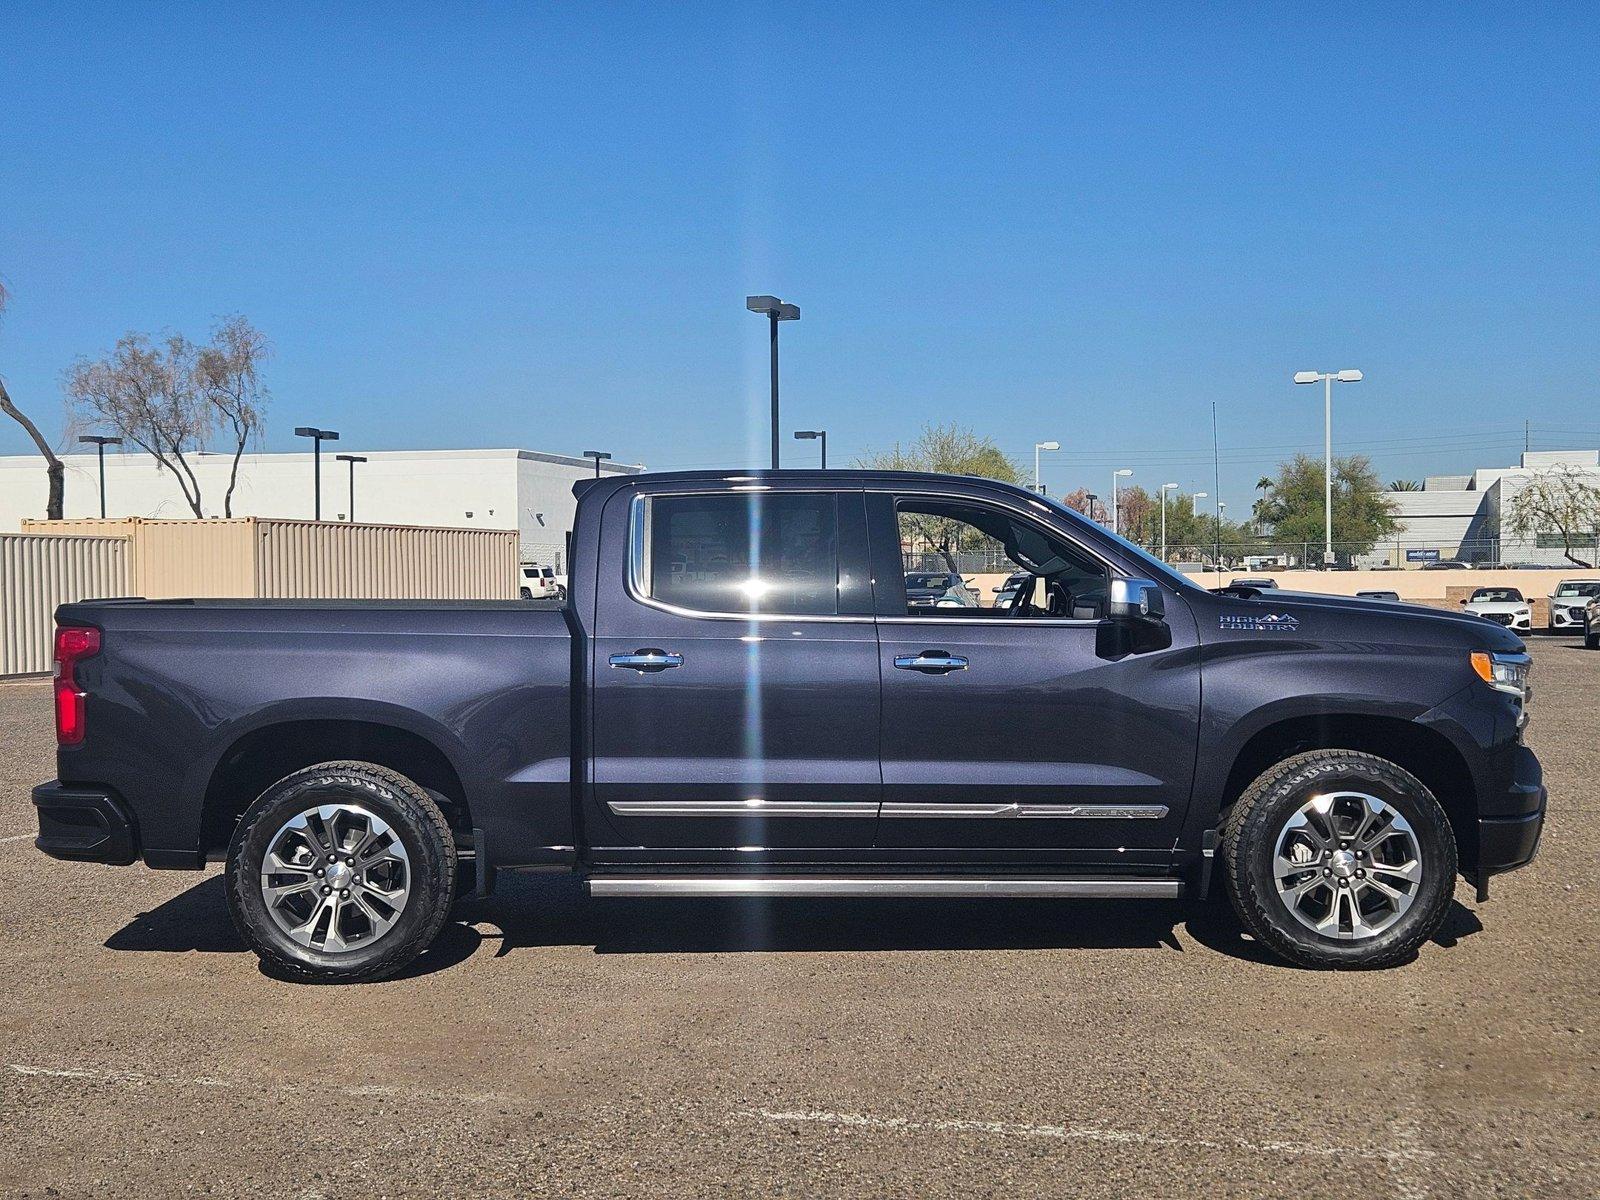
[774,310]
[102,443]
[812,435]
[1222,511]
[598,456]
[352,459]
[1038,446]
[1194,511]
[1090,498]
[1165,488]
[317,436]
[1327,379]
[1116,475]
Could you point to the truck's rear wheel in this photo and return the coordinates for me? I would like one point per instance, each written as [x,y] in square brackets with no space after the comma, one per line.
[1339,859]
[342,872]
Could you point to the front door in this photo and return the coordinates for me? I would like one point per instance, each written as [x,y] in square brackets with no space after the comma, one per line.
[735,706]
[1027,727]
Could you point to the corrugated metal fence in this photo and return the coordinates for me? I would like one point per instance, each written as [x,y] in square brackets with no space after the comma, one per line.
[39,572]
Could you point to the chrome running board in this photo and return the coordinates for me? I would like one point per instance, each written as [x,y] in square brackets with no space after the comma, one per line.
[812,885]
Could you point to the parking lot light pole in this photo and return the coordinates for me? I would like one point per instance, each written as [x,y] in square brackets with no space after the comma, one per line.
[774,310]
[1116,475]
[1165,488]
[1327,379]
[352,459]
[598,456]
[1038,446]
[101,443]
[812,435]
[317,436]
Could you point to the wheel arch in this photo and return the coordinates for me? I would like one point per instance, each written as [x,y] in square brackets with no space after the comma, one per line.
[268,752]
[1421,750]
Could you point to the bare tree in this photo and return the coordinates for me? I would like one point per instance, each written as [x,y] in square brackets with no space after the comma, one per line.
[227,375]
[149,395]
[1562,500]
[53,467]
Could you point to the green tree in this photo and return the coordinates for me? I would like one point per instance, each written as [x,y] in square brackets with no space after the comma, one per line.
[1404,485]
[1361,511]
[949,449]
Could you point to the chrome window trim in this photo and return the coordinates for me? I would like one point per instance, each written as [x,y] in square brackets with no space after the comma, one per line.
[1004,811]
[638,555]
[741,808]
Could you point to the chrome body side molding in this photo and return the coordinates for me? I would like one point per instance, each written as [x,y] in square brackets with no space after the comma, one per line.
[740,808]
[1058,812]
[811,885]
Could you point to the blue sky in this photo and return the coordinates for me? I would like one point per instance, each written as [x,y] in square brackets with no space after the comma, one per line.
[495,225]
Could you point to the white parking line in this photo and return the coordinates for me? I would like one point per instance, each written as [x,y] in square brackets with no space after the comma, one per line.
[20,837]
[143,1079]
[1086,1133]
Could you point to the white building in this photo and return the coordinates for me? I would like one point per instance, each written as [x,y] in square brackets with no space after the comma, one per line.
[524,490]
[1460,516]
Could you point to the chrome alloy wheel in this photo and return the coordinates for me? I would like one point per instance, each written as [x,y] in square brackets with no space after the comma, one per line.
[335,878]
[1347,865]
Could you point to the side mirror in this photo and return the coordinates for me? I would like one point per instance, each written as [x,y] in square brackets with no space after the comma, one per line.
[1136,600]
[1463,602]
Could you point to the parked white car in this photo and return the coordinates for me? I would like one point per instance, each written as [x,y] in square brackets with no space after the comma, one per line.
[539,582]
[1568,601]
[1502,605]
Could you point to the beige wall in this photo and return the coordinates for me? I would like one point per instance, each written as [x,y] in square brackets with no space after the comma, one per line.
[39,573]
[259,557]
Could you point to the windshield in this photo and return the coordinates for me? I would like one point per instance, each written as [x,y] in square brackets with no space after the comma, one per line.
[1495,595]
[929,581]
[1579,589]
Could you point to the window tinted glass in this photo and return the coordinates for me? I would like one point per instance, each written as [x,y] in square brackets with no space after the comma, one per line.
[741,553]
[1053,578]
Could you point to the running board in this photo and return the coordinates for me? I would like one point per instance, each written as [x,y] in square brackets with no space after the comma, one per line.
[812,885]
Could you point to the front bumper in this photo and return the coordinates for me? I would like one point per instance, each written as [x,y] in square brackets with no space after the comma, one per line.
[84,824]
[1510,839]
[1563,617]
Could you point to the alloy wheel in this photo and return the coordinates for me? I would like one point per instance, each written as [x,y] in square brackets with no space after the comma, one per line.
[335,878]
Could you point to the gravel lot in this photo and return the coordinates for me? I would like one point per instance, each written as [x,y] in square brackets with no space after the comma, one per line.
[554,1045]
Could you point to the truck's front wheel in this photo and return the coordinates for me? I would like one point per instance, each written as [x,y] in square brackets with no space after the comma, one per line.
[1335,858]
[342,872]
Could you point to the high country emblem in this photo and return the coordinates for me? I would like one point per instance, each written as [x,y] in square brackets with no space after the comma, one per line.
[1269,622]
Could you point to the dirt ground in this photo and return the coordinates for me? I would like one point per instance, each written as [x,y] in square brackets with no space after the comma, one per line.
[554,1045]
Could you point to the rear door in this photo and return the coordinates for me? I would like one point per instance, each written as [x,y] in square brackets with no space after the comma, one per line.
[736,701]
[1034,729]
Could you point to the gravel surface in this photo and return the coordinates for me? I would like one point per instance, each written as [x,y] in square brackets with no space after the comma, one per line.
[553,1045]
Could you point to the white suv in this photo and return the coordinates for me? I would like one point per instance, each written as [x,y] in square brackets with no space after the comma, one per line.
[539,583]
[1568,601]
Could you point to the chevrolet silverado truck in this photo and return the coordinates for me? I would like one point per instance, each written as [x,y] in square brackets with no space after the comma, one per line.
[737,699]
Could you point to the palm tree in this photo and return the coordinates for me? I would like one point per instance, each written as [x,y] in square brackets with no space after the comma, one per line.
[1263,485]
[1404,485]
[53,467]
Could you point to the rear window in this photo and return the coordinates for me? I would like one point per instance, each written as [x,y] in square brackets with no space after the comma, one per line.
[739,553]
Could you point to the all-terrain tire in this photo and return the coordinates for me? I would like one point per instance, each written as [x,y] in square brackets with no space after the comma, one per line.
[415,820]
[1250,833]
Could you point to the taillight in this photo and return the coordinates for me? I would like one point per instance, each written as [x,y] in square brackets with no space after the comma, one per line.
[73,645]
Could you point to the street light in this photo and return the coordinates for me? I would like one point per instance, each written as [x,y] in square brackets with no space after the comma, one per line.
[1165,488]
[1327,379]
[812,435]
[1089,498]
[102,443]
[317,436]
[352,459]
[1038,446]
[1116,475]
[598,456]
[774,310]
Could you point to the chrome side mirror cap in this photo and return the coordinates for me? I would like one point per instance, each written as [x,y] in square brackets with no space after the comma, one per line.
[1136,600]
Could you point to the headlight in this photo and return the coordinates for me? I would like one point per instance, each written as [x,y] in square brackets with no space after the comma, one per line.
[1503,672]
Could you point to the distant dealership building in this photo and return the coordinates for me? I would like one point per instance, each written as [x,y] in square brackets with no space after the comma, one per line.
[526,490]
[1461,517]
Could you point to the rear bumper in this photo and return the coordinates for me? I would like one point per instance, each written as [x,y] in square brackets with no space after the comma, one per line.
[84,824]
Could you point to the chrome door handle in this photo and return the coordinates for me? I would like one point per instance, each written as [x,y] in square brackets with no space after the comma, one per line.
[647,661]
[930,662]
